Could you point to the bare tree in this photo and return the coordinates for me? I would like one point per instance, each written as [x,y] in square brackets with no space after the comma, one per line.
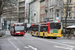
[66,12]
[3,3]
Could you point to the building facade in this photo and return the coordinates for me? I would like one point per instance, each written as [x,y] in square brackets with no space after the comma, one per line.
[71,12]
[54,10]
[42,10]
[35,11]
[21,11]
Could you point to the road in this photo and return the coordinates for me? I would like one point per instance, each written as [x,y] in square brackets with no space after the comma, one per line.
[29,42]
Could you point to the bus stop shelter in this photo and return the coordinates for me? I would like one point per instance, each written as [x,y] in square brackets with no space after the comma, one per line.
[72,29]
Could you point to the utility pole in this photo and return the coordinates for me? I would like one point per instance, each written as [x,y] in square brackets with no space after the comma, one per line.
[66,15]
[29,14]
[48,10]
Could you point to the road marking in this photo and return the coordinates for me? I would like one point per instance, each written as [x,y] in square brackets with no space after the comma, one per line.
[29,38]
[64,47]
[29,46]
[55,42]
[68,42]
[15,38]
[13,45]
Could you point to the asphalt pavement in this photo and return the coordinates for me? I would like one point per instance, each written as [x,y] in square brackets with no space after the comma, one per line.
[29,42]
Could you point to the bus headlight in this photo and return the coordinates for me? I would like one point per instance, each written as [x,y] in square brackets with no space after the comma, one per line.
[51,31]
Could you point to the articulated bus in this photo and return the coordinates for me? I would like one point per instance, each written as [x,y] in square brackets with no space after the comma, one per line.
[38,30]
[17,29]
[50,29]
[34,29]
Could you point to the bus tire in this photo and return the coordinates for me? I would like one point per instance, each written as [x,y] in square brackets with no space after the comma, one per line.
[43,35]
[54,37]
[22,35]
[11,34]
[0,35]
[37,34]
[32,34]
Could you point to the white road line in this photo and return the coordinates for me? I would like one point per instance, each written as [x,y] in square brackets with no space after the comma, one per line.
[13,45]
[32,47]
[64,47]
[15,38]
[55,42]
[29,38]
[69,42]
[26,47]
[29,46]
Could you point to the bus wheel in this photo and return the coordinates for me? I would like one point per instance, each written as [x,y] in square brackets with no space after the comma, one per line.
[43,35]
[22,35]
[11,34]
[54,37]
[32,34]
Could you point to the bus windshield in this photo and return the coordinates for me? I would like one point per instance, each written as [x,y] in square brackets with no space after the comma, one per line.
[34,28]
[19,28]
[55,25]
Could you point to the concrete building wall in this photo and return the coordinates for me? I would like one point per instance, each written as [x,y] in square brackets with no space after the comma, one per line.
[21,11]
[34,11]
[54,10]
[42,10]
[37,9]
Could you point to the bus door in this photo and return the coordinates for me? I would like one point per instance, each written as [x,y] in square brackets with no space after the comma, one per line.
[45,29]
[39,28]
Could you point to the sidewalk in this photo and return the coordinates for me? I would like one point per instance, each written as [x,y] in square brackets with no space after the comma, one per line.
[71,38]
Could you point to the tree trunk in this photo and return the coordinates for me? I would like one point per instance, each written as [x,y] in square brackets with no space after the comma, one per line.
[66,16]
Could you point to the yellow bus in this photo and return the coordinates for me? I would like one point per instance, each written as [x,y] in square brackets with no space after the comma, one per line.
[49,29]
[54,30]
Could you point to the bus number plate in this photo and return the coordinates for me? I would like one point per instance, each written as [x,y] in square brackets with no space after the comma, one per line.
[17,32]
[54,34]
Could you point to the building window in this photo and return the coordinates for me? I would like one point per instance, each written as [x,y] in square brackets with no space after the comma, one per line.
[70,1]
[42,11]
[69,14]
[52,12]
[57,14]
[69,11]
[42,0]
[42,19]
[42,4]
